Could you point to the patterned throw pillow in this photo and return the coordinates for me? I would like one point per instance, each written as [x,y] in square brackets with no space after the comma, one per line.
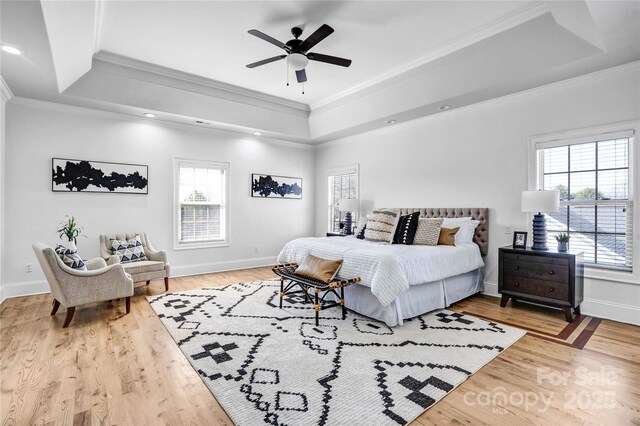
[360,234]
[381,226]
[129,251]
[428,232]
[406,230]
[70,258]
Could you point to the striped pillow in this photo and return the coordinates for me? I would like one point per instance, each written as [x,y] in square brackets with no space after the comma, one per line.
[428,232]
[381,226]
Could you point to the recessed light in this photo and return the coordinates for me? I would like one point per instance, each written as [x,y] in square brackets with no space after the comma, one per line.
[443,107]
[391,121]
[257,133]
[149,115]
[11,49]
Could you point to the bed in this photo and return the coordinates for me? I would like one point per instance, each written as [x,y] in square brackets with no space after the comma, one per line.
[400,281]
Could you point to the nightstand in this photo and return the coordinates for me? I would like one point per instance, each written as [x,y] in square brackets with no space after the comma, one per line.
[335,234]
[546,277]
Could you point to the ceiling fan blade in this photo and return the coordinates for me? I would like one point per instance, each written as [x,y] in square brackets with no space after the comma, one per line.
[266,61]
[269,39]
[315,38]
[301,75]
[329,59]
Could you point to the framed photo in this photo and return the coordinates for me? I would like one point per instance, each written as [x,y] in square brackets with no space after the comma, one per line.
[269,186]
[519,240]
[97,176]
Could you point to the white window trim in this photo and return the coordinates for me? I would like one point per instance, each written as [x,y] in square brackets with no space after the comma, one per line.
[177,245]
[629,129]
[350,169]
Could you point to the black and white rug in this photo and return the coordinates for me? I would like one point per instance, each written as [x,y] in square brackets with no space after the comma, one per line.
[274,366]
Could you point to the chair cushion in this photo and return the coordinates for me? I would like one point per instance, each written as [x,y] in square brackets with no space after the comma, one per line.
[143,267]
[70,257]
[129,251]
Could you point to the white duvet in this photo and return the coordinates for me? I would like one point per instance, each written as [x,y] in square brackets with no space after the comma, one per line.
[388,269]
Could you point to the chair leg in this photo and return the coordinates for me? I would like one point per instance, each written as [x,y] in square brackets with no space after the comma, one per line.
[166,283]
[127,302]
[67,319]
[56,305]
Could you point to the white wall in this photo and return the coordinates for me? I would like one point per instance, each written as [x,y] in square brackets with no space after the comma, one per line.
[38,131]
[477,157]
[5,95]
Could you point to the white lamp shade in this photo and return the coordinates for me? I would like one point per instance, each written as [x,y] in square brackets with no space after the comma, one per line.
[540,201]
[348,204]
[297,61]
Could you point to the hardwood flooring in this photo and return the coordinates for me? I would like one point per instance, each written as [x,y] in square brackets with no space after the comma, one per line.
[111,368]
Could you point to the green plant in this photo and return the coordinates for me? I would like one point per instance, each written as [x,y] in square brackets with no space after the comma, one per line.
[562,238]
[70,229]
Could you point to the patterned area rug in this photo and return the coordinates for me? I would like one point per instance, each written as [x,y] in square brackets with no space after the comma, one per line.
[274,366]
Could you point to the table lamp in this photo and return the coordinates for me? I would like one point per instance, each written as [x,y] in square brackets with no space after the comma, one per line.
[540,202]
[348,205]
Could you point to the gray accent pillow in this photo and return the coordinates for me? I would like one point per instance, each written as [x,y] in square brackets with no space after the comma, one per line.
[70,258]
[129,251]
[428,232]
[381,226]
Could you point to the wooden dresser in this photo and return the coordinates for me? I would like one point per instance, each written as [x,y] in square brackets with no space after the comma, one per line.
[545,277]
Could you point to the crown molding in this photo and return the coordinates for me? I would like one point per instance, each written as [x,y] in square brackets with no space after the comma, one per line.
[612,72]
[98,24]
[102,113]
[5,91]
[509,21]
[250,95]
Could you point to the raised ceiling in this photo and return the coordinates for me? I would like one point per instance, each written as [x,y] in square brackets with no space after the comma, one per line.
[210,39]
[185,61]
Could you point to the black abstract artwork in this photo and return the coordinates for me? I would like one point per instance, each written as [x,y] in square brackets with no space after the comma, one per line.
[96,176]
[268,186]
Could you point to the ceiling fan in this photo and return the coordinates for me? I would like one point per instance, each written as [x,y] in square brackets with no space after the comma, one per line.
[298,54]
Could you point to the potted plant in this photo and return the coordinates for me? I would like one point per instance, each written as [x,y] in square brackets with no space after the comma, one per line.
[563,241]
[70,230]
[341,226]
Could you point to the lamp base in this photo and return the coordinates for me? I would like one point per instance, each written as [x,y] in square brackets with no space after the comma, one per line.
[539,232]
[347,223]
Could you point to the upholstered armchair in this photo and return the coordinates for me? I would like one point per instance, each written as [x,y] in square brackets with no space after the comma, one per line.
[71,288]
[155,267]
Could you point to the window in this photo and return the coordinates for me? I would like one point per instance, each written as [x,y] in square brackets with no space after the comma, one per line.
[201,203]
[342,183]
[594,177]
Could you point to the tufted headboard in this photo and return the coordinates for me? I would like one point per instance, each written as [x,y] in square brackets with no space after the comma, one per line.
[481,238]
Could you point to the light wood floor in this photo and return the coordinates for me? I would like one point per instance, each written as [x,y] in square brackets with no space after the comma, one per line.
[111,368]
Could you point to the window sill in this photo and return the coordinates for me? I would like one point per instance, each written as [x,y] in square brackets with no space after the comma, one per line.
[611,275]
[202,245]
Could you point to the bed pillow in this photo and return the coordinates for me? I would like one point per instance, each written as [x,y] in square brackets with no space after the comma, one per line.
[428,232]
[360,226]
[406,229]
[360,234]
[381,226]
[467,228]
[129,251]
[321,269]
[70,258]
[447,236]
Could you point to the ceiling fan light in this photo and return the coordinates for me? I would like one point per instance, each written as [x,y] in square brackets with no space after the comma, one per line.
[297,61]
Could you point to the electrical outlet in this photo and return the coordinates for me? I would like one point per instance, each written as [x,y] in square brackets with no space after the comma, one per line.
[507,230]
[28,267]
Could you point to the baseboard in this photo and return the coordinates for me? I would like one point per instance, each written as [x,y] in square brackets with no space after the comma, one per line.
[231,265]
[25,288]
[629,314]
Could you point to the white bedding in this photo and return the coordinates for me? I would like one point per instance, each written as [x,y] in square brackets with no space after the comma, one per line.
[388,270]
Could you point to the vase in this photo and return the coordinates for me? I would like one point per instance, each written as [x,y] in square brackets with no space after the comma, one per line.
[563,246]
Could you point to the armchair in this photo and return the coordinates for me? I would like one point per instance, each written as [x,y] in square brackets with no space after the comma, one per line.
[70,287]
[155,267]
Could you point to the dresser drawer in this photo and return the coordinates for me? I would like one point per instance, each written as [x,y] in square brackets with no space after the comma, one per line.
[537,259]
[537,270]
[553,290]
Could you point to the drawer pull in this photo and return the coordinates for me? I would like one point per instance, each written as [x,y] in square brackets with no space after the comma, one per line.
[517,284]
[552,289]
[516,267]
[552,273]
